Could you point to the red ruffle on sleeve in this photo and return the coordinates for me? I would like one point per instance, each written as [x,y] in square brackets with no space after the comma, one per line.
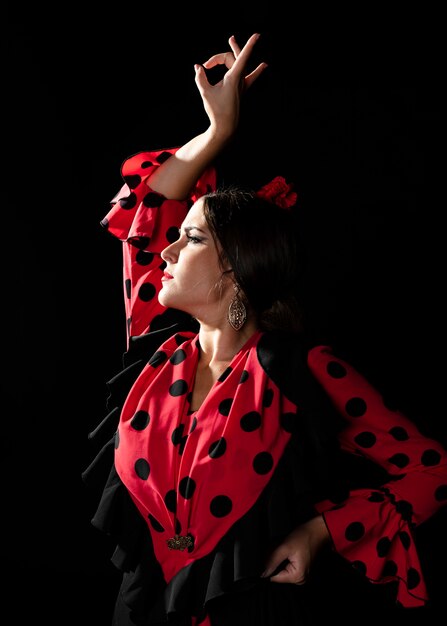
[138,212]
[147,222]
[373,528]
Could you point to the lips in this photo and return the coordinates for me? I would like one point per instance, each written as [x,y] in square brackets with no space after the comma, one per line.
[166,276]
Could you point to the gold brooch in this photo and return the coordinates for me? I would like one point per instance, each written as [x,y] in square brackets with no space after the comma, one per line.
[180,542]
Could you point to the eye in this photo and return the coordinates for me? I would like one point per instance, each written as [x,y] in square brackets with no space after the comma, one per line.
[193,239]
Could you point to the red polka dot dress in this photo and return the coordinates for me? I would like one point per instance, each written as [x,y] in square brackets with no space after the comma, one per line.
[193,474]
[373,528]
[146,223]
[195,499]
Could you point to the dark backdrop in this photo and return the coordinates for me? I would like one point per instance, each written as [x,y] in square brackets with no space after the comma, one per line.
[350,111]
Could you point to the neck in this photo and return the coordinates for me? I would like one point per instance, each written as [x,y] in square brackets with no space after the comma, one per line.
[219,345]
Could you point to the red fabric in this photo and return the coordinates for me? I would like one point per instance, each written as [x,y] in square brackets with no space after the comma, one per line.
[149,223]
[373,529]
[211,464]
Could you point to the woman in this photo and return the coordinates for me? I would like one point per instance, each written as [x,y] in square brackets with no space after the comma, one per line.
[230,474]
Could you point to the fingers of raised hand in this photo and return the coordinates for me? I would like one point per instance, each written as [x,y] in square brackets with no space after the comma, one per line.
[241,60]
[250,78]
[243,54]
[223,58]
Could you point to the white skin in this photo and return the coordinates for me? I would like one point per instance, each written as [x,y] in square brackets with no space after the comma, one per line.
[195,282]
[193,279]
[195,270]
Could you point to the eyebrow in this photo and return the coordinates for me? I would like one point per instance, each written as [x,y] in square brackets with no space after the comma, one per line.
[187,229]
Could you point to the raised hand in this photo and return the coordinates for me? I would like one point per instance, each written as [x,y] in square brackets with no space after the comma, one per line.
[222,100]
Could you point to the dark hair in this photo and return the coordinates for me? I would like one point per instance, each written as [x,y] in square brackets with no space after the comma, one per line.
[259,241]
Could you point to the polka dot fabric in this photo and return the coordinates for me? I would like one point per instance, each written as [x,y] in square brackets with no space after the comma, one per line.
[373,528]
[146,222]
[196,473]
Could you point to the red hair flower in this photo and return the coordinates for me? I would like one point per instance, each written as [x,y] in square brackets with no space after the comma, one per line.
[279,192]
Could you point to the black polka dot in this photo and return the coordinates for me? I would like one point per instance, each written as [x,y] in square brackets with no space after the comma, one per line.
[355,407]
[225,406]
[128,288]
[430,457]
[365,439]
[376,496]
[177,434]
[146,164]
[178,388]
[146,292]
[244,377]
[288,421]
[263,463]
[217,448]
[158,358]
[390,568]
[128,324]
[162,266]
[171,501]
[116,440]
[441,493]
[142,468]
[132,180]
[224,374]
[140,242]
[140,420]
[193,424]
[182,444]
[359,566]
[155,524]
[251,421]
[399,433]
[335,369]
[405,539]
[400,460]
[179,339]
[153,200]
[129,202]
[178,357]
[172,234]
[413,578]
[178,527]
[144,258]
[163,156]
[354,531]
[221,506]
[268,397]
[383,546]
[395,477]
[187,487]
[405,509]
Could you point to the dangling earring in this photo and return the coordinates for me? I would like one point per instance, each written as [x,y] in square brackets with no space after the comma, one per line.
[237,313]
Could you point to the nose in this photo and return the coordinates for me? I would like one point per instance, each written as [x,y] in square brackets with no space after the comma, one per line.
[170,253]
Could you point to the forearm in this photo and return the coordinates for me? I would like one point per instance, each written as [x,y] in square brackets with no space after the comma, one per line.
[175,177]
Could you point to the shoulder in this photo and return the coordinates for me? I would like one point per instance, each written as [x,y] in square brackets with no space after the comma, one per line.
[283,356]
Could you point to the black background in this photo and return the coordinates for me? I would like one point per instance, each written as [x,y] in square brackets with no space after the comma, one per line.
[350,109]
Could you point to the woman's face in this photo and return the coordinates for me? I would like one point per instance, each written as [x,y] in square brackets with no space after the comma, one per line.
[193,280]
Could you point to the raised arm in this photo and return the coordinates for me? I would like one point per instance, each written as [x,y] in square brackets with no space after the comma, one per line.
[177,175]
[159,187]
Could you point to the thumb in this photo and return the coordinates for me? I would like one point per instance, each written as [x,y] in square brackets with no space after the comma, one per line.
[275,562]
[201,79]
